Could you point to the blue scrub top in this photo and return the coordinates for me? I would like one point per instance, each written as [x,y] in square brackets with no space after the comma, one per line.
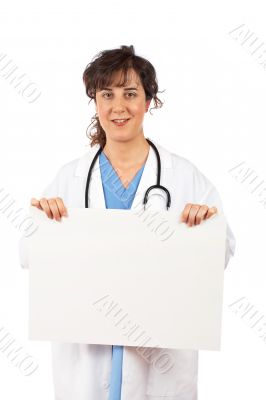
[117,196]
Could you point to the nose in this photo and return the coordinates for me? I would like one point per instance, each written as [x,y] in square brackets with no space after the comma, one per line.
[118,105]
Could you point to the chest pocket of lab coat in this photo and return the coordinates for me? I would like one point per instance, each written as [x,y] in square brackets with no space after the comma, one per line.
[176,381]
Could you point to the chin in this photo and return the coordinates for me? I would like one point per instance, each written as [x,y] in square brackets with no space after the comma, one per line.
[121,137]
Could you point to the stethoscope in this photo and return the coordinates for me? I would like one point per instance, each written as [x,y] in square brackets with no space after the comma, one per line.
[157,186]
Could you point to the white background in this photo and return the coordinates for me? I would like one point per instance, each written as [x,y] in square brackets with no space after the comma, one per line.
[213,115]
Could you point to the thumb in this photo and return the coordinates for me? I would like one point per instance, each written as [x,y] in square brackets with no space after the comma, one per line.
[36,203]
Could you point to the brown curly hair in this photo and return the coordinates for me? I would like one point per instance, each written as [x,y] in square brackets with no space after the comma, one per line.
[98,74]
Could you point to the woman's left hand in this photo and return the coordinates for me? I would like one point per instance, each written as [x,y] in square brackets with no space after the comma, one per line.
[193,214]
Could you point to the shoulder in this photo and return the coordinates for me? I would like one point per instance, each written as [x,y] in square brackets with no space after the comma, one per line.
[68,169]
[176,161]
[78,167]
[63,178]
[186,173]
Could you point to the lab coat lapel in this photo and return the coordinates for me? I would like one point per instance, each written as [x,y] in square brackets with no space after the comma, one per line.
[148,179]
[156,198]
[96,193]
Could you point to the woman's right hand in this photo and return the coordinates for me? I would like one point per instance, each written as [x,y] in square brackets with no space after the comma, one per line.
[53,208]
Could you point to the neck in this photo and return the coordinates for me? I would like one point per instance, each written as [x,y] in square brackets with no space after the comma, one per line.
[127,154]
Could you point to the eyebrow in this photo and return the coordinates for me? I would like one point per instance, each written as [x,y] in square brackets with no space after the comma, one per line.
[131,88]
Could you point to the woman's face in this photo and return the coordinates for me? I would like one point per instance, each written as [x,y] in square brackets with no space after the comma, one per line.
[127,102]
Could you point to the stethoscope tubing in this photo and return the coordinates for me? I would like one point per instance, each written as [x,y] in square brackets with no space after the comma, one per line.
[145,199]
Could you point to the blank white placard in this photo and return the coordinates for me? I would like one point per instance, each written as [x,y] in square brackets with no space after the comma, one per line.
[112,276]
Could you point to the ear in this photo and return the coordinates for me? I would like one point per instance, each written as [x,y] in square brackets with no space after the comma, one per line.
[148,102]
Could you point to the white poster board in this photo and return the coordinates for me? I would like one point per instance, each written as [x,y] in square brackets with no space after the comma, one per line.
[107,276]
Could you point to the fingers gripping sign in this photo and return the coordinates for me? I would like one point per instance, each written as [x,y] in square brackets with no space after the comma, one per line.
[194,214]
[53,208]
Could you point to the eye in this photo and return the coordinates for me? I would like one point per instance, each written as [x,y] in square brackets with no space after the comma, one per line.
[105,94]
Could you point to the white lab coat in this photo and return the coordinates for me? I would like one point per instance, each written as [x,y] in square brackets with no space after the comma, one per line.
[82,371]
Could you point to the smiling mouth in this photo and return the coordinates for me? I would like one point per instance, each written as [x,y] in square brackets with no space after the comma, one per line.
[120,122]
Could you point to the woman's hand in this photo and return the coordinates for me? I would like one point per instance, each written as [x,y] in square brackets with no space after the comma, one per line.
[193,214]
[53,208]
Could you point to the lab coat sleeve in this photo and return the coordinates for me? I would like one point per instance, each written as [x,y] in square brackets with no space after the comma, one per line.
[206,193]
[51,190]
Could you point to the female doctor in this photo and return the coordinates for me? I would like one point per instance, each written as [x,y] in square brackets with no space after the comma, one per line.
[122,86]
